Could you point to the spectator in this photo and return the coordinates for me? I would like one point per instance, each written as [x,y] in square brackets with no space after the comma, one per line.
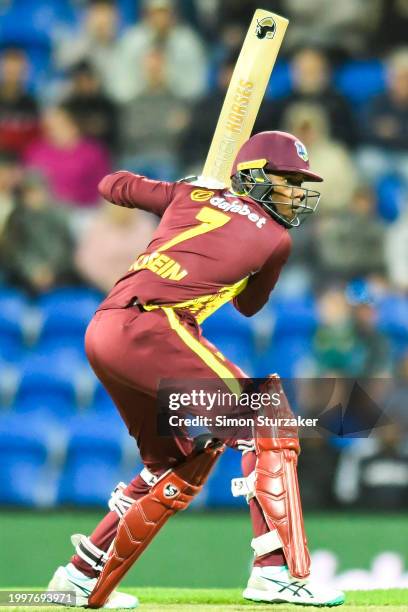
[311,78]
[347,341]
[196,138]
[373,473]
[372,349]
[72,164]
[19,117]
[398,397]
[335,341]
[396,252]
[230,11]
[10,175]
[94,112]
[311,397]
[316,469]
[393,25]
[113,239]
[97,43]
[330,158]
[342,28]
[351,243]
[36,248]
[185,59]
[386,125]
[151,124]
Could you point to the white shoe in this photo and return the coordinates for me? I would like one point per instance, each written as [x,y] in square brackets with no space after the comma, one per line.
[276,585]
[68,578]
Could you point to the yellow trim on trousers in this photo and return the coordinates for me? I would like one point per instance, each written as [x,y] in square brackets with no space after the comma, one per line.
[203,352]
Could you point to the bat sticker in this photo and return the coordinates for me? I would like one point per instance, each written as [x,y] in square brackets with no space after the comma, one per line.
[266,28]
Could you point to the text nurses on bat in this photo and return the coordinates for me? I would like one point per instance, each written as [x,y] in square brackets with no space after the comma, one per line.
[148,329]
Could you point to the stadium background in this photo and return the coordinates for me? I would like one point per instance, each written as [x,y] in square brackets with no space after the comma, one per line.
[87,87]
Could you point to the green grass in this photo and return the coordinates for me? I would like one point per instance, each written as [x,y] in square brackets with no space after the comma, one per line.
[194,550]
[218,600]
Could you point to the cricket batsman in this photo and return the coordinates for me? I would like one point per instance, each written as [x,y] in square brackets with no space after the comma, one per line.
[213,245]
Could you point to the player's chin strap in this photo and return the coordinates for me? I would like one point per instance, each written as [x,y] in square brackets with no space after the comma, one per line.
[275,485]
[173,491]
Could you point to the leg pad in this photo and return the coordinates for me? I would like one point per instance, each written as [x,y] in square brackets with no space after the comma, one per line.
[173,491]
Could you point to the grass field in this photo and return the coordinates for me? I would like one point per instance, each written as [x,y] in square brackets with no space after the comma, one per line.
[218,600]
[196,550]
[173,575]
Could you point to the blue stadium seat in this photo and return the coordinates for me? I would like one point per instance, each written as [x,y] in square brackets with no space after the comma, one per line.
[24,453]
[238,352]
[280,83]
[31,22]
[94,460]
[227,319]
[47,384]
[70,357]
[66,314]
[129,11]
[361,80]
[284,356]
[13,308]
[232,334]
[70,295]
[102,402]
[294,316]
[393,321]
[390,196]
[294,321]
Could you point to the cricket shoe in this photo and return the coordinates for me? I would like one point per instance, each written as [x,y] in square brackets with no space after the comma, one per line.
[276,585]
[68,578]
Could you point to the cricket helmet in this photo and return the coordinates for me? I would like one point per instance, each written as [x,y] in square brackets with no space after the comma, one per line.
[278,153]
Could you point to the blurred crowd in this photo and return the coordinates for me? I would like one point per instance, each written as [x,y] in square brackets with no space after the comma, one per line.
[100,85]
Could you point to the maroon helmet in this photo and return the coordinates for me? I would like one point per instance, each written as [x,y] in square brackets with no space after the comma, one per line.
[281,154]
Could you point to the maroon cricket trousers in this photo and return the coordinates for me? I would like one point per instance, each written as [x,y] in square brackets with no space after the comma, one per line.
[131,350]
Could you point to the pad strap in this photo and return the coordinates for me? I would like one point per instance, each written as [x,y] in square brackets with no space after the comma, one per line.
[244,486]
[266,543]
[148,477]
[246,446]
[119,502]
[91,554]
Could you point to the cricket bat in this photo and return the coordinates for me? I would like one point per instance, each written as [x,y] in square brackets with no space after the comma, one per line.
[245,93]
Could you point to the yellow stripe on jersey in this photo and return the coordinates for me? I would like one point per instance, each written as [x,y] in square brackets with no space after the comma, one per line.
[203,352]
[210,218]
[205,305]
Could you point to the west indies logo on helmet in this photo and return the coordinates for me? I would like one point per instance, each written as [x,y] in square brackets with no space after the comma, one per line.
[282,155]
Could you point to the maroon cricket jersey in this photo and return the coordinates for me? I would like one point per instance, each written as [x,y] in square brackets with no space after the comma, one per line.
[210,246]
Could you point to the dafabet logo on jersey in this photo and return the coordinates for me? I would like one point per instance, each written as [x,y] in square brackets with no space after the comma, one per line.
[201,195]
[241,209]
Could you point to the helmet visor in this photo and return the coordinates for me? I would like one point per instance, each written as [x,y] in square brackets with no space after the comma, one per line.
[293,207]
[289,204]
